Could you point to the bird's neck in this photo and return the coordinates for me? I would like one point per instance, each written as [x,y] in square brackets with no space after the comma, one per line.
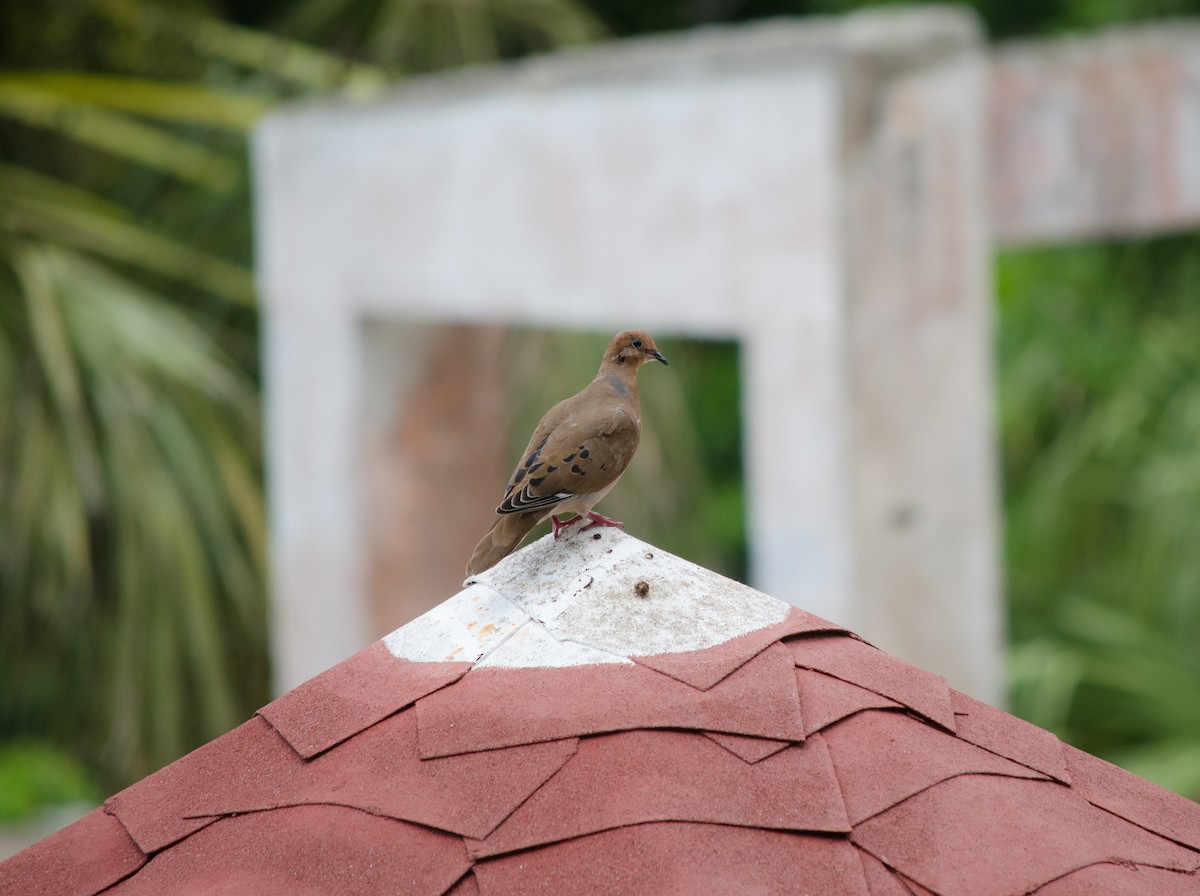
[622,380]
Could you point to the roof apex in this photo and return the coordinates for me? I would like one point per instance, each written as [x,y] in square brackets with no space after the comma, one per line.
[585,598]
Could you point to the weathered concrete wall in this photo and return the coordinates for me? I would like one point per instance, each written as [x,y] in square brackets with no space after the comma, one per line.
[428,480]
[1096,135]
[918,305]
[822,191]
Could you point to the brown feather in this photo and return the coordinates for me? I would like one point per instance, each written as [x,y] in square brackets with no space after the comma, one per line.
[577,452]
[506,533]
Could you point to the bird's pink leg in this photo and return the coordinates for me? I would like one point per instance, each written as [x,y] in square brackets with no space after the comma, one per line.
[599,519]
[559,526]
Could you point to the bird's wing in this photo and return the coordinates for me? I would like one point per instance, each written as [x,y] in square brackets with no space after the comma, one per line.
[586,448]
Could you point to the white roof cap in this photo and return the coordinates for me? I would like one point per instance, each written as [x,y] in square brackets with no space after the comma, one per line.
[589,597]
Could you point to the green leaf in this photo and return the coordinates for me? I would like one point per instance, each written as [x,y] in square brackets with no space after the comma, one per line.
[51,209]
[1100,399]
[36,775]
[176,587]
[62,375]
[1173,764]
[261,51]
[187,103]
[118,134]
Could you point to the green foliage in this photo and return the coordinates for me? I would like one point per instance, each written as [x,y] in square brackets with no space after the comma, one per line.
[36,775]
[426,35]
[132,571]
[1100,412]
[1001,18]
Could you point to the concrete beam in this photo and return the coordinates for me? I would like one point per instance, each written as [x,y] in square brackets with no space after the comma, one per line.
[1096,135]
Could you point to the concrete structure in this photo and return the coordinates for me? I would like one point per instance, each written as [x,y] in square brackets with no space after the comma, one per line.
[1095,136]
[757,183]
[817,190]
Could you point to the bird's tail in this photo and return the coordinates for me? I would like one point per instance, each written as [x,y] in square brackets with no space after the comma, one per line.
[501,540]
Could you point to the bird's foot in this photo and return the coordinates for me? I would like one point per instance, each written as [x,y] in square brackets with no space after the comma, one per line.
[559,525]
[599,519]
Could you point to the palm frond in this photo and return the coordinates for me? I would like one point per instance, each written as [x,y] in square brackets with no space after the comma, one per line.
[424,35]
[150,536]
[53,210]
[118,134]
[145,97]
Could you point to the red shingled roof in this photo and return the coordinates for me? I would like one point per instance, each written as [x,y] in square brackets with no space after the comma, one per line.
[775,753]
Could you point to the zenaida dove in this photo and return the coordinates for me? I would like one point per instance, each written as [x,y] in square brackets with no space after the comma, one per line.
[576,455]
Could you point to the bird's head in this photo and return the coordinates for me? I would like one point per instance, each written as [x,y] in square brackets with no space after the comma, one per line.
[631,349]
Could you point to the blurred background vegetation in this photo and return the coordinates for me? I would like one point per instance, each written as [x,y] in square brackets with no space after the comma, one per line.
[132,563]
[1099,350]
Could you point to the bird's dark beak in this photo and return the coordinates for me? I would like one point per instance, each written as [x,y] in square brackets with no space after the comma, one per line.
[656,355]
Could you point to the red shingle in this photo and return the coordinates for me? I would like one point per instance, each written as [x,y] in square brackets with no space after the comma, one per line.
[1123,880]
[353,695]
[468,886]
[748,749]
[83,858]
[1132,798]
[481,712]
[884,757]
[306,850]
[915,888]
[380,772]
[868,667]
[157,810]
[880,880]
[985,835]
[1005,735]
[680,858]
[643,776]
[704,668]
[825,699]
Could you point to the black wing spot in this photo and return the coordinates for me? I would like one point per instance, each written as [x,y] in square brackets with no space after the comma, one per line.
[570,457]
[536,452]
[536,481]
[574,469]
[584,453]
[551,469]
[520,475]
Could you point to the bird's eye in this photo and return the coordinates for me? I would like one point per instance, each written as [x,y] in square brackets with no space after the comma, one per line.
[637,343]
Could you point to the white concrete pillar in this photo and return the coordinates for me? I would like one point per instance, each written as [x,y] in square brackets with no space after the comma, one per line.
[812,189]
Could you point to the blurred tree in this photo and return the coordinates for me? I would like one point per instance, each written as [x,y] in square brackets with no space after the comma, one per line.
[426,35]
[1100,410]
[1002,18]
[132,612]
